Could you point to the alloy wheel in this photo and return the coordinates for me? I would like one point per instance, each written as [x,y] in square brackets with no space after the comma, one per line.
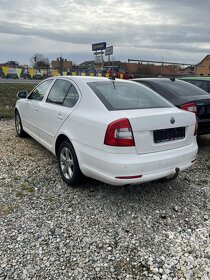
[18,123]
[67,163]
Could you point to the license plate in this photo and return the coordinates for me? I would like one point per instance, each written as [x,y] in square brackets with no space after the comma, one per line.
[169,134]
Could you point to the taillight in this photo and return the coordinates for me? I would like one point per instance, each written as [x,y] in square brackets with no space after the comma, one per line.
[190,107]
[119,133]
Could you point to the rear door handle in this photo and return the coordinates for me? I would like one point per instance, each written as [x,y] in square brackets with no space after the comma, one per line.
[59,116]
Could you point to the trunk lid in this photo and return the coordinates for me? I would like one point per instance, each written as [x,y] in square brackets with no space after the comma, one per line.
[162,129]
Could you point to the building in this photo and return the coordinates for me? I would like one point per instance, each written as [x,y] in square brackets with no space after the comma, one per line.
[187,71]
[86,65]
[10,63]
[203,68]
[62,65]
[151,70]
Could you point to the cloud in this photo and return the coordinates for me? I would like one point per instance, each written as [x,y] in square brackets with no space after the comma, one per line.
[146,28]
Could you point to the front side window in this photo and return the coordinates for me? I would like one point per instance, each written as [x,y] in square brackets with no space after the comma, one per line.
[39,92]
[117,95]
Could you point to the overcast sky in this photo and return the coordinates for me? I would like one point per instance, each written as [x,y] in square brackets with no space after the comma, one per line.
[177,31]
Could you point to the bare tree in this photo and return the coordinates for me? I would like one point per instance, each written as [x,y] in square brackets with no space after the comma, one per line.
[39,61]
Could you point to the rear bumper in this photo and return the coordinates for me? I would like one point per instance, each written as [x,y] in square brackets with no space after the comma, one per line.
[105,167]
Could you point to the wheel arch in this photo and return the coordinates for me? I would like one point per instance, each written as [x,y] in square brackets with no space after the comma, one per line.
[76,174]
[17,110]
[61,138]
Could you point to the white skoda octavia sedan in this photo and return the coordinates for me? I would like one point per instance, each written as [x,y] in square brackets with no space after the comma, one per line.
[115,131]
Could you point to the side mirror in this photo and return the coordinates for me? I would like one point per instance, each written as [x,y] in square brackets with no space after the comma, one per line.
[22,94]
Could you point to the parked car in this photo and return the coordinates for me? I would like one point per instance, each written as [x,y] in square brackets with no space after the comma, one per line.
[37,75]
[25,74]
[184,96]
[118,71]
[201,82]
[96,128]
[12,74]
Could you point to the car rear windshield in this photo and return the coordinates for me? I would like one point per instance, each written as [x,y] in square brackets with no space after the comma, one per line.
[116,95]
[181,88]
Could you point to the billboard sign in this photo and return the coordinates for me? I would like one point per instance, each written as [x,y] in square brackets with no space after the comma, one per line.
[98,59]
[109,50]
[98,46]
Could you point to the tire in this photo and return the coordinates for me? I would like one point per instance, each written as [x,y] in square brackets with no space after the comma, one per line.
[68,164]
[18,125]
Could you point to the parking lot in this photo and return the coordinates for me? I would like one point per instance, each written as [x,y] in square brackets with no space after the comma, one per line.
[158,230]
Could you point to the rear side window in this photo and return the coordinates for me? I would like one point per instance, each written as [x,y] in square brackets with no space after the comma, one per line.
[205,85]
[58,92]
[117,95]
[63,93]
[71,97]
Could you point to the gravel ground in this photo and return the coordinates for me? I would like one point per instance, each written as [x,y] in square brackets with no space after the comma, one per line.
[48,230]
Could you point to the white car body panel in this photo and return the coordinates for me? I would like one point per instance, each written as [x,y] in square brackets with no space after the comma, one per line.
[144,123]
[48,129]
[106,167]
[85,126]
[29,117]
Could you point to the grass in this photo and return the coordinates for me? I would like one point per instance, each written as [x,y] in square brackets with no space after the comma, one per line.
[27,188]
[7,209]
[8,97]
[24,190]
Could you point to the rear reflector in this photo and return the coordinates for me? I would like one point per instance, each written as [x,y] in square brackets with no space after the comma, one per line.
[196,128]
[119,133]
[129,177]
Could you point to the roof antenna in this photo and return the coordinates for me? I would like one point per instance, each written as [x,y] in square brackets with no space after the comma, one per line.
[112,77]
[113,74]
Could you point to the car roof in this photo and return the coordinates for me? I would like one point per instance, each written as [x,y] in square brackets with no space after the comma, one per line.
[166,81]
[152,79]
[157,80]
[88,79]
[199,78]
[175,87]
[160,80]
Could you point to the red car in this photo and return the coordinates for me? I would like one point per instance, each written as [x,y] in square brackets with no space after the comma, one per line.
[119,72]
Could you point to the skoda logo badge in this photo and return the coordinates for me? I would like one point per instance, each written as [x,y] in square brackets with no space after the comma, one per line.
[172,120]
